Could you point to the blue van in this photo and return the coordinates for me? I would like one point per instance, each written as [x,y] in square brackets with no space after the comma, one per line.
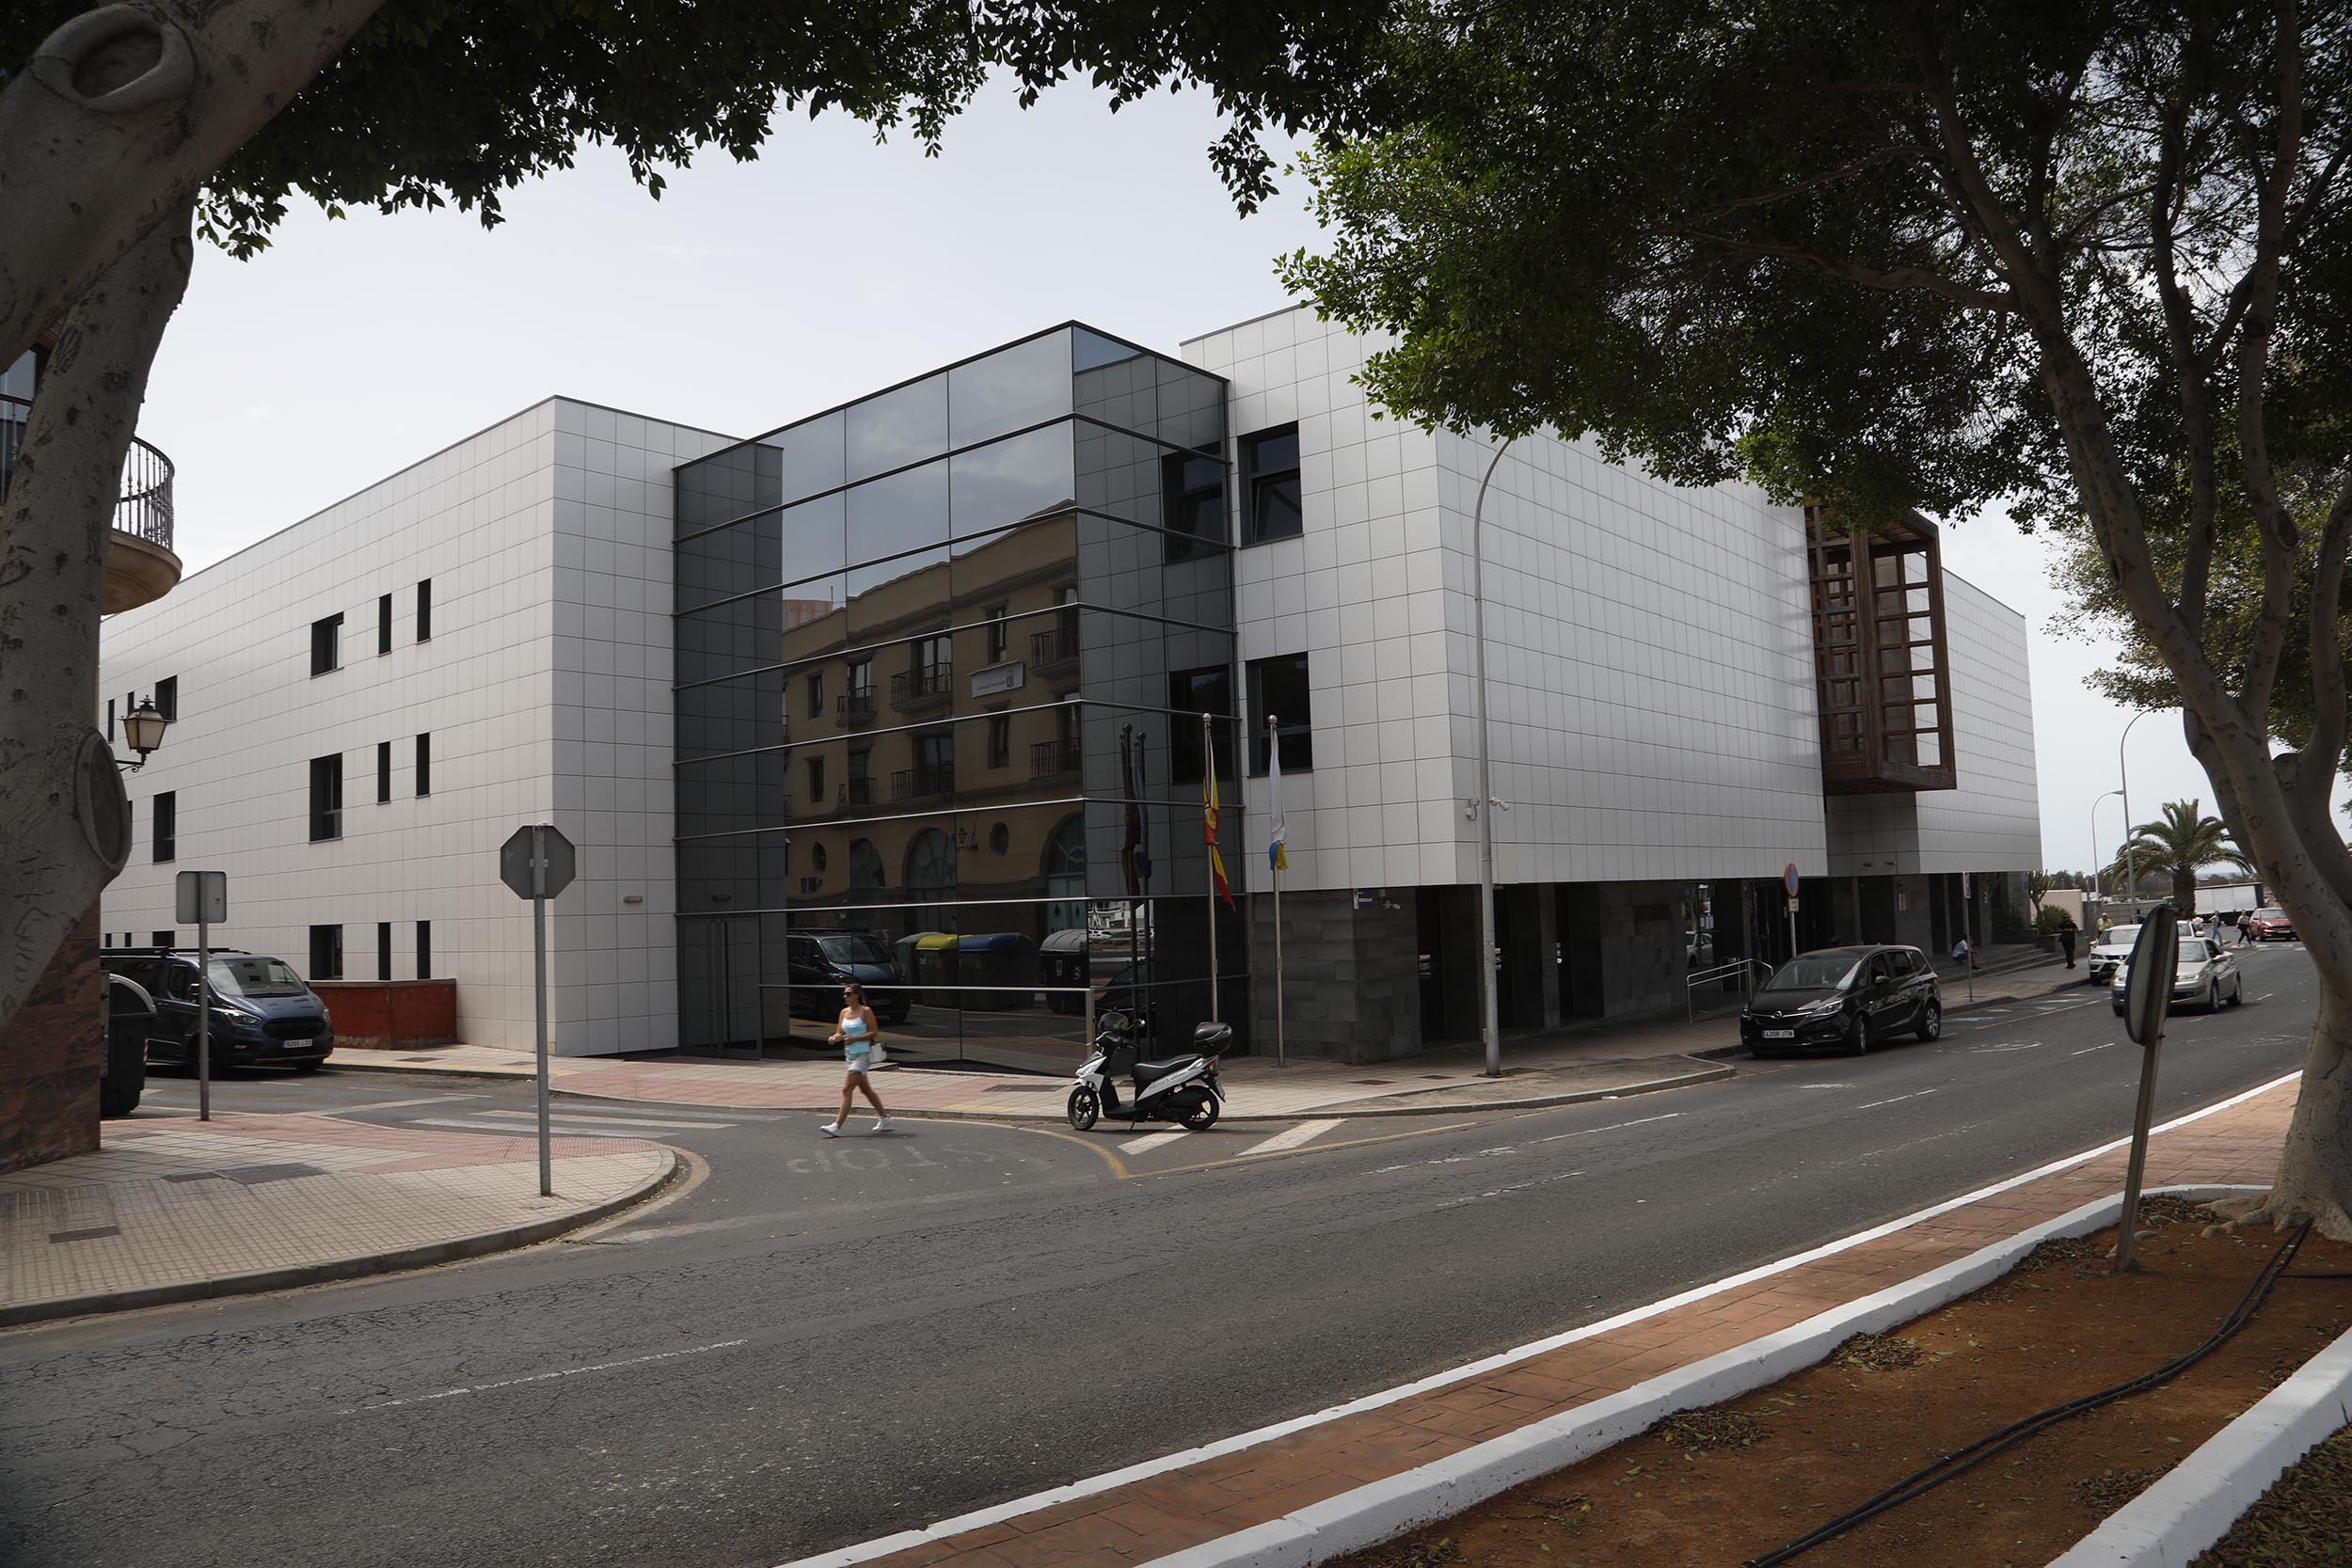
[263,1015]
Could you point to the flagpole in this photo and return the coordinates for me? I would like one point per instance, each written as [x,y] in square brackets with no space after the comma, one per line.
[1273,866]
[1208,752]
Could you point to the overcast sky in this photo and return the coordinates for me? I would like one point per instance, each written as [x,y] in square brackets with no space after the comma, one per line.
[753,293]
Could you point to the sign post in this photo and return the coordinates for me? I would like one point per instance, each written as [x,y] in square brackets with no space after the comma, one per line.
[202,898]
[2147,998]
[1788,882]
[538,863]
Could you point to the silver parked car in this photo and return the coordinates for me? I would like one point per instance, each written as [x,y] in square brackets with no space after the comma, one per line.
[2206,976]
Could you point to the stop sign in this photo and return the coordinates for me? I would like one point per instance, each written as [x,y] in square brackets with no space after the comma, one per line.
[538,847]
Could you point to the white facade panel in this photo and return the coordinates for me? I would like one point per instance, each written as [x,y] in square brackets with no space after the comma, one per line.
[1649,648]
[545,688]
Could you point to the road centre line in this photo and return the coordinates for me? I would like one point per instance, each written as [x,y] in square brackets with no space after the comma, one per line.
[1897,1101]
[1588,1132]
[1306,1132]
[2088,1050]
[865,1551]
[541,1377]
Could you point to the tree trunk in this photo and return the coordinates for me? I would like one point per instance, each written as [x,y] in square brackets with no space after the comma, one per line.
[2184,890]
[64,824]
[2315,1179]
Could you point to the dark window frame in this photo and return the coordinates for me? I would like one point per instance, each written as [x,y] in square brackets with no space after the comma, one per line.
[1184,756]
[1298,737]
[1192,487]
[326,953]
[327,797]
[1000,740]
[383,949]
[383,624]
[425,609]
[163,826]
[424,765]
[1278,485]
[326,644]
[424,950]
[167,697]
[816,781]
[383,771]
[816,694]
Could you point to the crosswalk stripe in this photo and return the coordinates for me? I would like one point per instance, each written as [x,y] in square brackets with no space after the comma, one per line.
[1137,1146]
[592,1118]
[1290,1137]
[559,1129]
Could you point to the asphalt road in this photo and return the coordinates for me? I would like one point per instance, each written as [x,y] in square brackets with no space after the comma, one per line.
[822,1341]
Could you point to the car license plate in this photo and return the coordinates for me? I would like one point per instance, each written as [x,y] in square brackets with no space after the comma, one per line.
[1780,1033]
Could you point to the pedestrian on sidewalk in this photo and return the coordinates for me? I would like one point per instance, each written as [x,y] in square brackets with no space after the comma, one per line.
[2066,940]
[1965,954]
[857,1036]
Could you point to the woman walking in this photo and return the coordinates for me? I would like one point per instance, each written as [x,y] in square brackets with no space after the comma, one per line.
[856,1037]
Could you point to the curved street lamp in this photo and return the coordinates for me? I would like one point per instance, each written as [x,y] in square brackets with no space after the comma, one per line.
[1491,1024]
[143,727]
[2131,845]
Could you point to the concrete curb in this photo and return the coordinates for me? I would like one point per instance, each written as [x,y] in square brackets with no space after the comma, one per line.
[425,1255]
[1388,1508]
[1529,1102]
[2200,1500]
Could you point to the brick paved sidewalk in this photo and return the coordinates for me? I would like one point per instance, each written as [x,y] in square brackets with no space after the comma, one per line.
[173,1208]
[1585,1062]
[1154,1515]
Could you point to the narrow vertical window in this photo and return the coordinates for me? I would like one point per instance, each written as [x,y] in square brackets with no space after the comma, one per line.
[424,950]
[167,697]
[1270,493]
[424,765]
[383,624]
[327,796]
[326,644]
[816,782]
[110,720]
[383,771]
[383,949]
[166,831]
[424,610]
[326,953]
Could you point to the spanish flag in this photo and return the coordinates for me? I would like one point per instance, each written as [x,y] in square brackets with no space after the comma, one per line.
[1208,830]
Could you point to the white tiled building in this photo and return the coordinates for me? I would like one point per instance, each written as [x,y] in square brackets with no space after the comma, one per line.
[1658,723]
[544,689]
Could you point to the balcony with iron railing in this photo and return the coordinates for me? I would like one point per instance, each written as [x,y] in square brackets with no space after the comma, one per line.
[1055,645]
[857,792]
[1055,759]
[924,685]
[856,708]
[922,783]
[140,565]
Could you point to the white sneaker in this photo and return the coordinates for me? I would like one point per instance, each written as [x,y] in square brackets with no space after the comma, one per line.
[881,1124]
[830,1129]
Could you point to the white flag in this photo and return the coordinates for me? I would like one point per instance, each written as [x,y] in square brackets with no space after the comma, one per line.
[1276,857]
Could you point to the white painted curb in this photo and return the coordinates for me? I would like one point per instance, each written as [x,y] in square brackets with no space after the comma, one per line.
[2199,1499]
[1390,1506]
[1204,1556]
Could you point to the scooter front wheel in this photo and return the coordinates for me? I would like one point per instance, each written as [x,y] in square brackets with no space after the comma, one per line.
[1085,1108]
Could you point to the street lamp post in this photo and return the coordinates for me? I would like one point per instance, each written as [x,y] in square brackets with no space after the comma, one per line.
[1491,1024]
[143,727]
[2130,849]
[2095,861]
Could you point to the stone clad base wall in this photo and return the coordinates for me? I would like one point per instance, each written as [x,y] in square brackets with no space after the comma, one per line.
[1351,977]
[50,1054]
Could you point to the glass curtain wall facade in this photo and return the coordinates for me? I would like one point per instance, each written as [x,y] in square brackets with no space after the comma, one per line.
[942,656]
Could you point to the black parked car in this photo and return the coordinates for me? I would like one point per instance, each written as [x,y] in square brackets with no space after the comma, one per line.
[1845,997]
[263,1015]
[819,962]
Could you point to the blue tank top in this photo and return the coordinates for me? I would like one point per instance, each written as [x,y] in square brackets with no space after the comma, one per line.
[853,1035]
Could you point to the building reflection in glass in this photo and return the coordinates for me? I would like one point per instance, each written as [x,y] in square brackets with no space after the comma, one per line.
[941,659]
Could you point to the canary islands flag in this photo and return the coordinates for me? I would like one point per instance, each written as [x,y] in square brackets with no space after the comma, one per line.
[1275,856]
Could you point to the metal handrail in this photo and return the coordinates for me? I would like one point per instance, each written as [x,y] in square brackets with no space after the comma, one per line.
[144,509]
[1745,968]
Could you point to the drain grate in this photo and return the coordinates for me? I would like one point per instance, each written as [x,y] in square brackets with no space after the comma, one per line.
[194,1176]
[1022,1088]
[1374,1082]
[90,1233]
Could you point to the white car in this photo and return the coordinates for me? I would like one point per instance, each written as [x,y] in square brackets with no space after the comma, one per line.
[2206,976]
[2110,950]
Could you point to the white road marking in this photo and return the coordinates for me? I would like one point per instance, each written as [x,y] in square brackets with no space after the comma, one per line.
[2087,1050]
[1819,1086]
[1306,1132]
[391,1104]
[1588,1132]
[543,1377]
[1897,1101]
[1137,1146]
[593,1118]
[1515,1187]
[2010,1045]
[557,1128]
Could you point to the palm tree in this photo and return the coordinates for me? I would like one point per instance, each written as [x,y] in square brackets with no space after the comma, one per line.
[2181,843]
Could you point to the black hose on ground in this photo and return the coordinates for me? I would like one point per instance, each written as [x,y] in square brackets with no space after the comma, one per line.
[1928,1477]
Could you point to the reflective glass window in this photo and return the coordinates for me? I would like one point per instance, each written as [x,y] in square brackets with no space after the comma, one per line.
[1008,481]
[1279,687]
[738,715]
[897,428]
[898,514]
[1090,350]
[726,562]
[810,458]
[1011,390]
[1190,694]
[812,538]
[1270,495]
[1192,499]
